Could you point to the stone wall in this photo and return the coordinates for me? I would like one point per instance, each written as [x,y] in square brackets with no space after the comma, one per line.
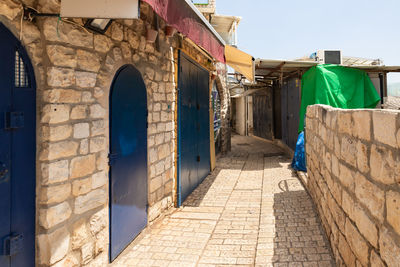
[225,97]
[74,69]
[353,161]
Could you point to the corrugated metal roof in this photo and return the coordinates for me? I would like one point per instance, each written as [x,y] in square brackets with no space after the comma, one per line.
[273,67]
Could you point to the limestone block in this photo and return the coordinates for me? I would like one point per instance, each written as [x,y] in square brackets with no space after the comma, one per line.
[133,39]
[55,113]
[357,243]
[98,128]
[87,251]
[385,127]
[87,97]
[60,77]
[101,242]
[109,64]
[56,133]
[73,259]
[135,58]
[366,226]
[49,217]
[389,248]
[344,122]
[62,96]
[346,177]
[54,172]
[80,234]
[126,50]
[159,139]
[88,61]
[81,130]
[163,151]
[79,112]
[90,201]
[151,141]
[349,150]
[99,179]
[362,157]
[97,111]
[102,161]
[98,92]
[150,73]
[59,150]
[49,6]
[348,204]
[153,156]
[82,186]
[161,127]
[55,194]
[335,166]
[160,167]
[337,213]
[155,184]
[98,144]
[370,195]
[164,116]
[152,128]
[169,126]
[102,43]
[362,124]
[82,166]
[393,210]
[376,260]
[85,79]
[10,9]
[35,50]
[117,54]
[62,56]
[54,246]
[67,33]
[117,31]
[384,168]
[346,252]
[98,221]
[155,117]
[84,147]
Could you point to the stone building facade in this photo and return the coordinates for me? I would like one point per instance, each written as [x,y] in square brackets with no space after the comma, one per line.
[353,162]
[74,69]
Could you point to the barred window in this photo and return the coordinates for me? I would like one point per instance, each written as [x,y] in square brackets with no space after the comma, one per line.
[21,75]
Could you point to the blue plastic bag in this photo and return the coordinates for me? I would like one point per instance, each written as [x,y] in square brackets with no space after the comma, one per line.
[299,159]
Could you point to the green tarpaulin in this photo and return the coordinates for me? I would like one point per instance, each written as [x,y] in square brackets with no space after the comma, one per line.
[336,86]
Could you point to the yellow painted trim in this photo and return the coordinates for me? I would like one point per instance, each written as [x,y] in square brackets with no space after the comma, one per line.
[187,53]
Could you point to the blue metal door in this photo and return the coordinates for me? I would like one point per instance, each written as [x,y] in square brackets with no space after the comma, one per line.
[17,154]
[194,127]
[128,158]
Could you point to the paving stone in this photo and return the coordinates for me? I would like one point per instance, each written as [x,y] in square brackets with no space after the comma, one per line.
[250,211]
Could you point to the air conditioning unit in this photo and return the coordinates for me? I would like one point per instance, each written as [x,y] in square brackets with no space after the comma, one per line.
[329,57]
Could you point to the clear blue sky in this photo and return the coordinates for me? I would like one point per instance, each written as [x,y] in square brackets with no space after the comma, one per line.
[288,29]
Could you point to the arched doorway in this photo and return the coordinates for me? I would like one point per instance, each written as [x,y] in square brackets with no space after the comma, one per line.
[128,158]
[17,153]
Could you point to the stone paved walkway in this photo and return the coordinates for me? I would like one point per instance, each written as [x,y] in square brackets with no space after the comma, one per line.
[251,211]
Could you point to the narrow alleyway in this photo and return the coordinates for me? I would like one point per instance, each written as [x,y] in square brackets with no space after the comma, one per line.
[250,211]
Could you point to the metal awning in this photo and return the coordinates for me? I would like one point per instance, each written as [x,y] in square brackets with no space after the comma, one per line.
[273,69]
[187,19]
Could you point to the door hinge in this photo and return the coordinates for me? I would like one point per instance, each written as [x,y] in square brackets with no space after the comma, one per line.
[13,244]
[14,120]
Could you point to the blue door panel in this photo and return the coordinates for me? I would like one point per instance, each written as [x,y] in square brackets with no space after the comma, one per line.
[17,152]
[194,136]
[128,159]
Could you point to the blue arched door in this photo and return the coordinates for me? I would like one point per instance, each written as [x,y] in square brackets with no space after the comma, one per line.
[17,154]
[128,158]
